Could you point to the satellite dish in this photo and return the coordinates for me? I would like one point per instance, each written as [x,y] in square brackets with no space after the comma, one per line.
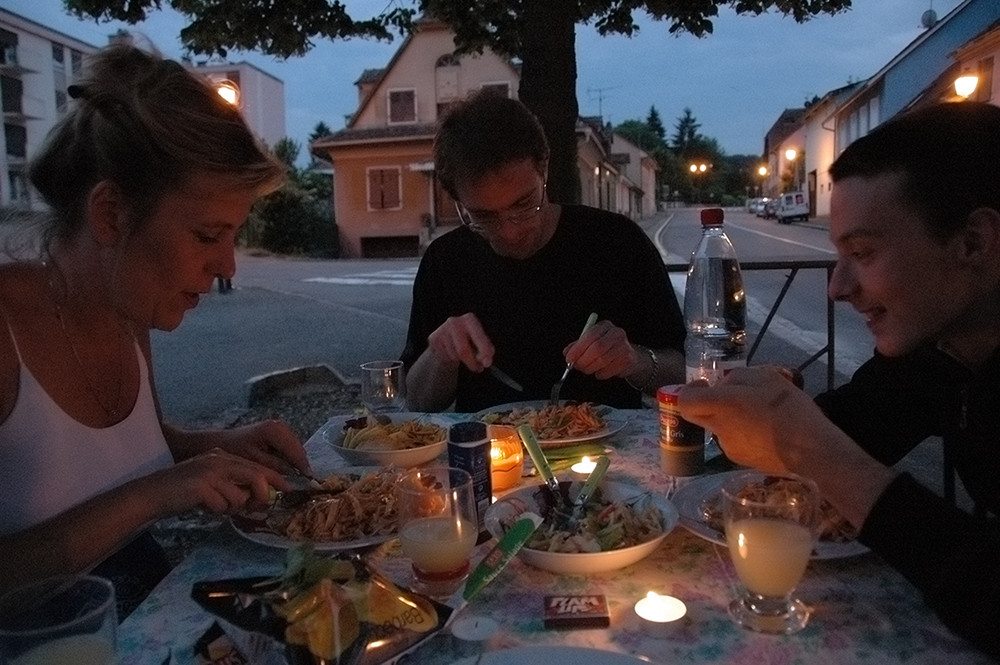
[928,19]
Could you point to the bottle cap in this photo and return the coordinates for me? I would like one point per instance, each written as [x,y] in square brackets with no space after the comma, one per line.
[467,432]
[712,216]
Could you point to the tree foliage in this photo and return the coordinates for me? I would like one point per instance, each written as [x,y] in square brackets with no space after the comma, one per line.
[655,124]
[541,33]
[295,219]
[319,131]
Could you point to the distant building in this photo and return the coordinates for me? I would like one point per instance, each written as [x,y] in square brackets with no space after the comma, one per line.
[261,95]
[965,41]
[388,201]
[37,64]
[904,81]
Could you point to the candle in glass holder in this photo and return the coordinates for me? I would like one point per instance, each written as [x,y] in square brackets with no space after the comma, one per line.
[506,457]
[660,609]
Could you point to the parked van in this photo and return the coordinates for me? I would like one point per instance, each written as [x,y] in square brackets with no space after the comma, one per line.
[792,206]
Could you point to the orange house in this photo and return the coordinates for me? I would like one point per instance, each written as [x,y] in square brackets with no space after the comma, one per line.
[387,201]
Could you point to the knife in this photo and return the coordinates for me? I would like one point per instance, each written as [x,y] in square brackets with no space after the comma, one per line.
[503,378]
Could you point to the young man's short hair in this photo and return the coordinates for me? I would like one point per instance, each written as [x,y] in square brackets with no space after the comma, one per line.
[948,153]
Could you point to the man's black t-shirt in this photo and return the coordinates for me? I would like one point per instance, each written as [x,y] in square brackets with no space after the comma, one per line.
[532,309]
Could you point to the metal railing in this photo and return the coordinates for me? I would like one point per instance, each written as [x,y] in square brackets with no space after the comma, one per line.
[793,265]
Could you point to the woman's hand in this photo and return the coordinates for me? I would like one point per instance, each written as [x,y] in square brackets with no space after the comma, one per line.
[217,481]
[270,443]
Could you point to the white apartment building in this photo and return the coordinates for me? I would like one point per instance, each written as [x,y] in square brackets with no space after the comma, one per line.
[36,66]
[261,95]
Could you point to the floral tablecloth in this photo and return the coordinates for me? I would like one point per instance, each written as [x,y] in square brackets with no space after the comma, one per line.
[863,611]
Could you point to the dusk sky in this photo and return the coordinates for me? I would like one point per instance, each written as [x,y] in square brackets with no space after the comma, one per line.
[736,81]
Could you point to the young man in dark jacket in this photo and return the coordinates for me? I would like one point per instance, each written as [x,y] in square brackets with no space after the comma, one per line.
[915,218]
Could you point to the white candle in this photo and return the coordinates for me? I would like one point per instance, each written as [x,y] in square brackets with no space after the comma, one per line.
[584,466]
[660,609]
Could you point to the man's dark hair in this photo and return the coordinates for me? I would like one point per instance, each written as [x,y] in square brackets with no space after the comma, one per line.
[949,155]
[482,134]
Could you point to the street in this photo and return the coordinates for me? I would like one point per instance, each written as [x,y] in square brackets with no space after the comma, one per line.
[285,313]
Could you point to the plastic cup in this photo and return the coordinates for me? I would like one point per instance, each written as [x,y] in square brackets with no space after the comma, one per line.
[65,619]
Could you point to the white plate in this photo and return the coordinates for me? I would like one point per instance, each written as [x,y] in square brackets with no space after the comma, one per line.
[689,498]
[614,421]
[564,563]
[535,655]
[333,433]
[282,542]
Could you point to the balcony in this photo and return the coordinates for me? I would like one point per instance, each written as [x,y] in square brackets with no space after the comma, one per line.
[12,62]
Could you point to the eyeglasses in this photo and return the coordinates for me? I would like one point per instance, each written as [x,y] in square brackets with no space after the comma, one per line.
[490,221]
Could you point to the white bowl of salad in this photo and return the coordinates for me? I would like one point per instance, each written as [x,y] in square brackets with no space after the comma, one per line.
[622,524]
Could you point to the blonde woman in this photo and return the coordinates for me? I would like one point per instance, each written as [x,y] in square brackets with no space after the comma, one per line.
[148,178]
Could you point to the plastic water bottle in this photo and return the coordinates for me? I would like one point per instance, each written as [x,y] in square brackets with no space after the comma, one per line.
[715,308]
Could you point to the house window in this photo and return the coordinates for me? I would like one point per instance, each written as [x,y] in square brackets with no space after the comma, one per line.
[11,91]
[59,76]
[384,189]
[8,47]
[501,88]
[402,106]
[75,62]
[446,79]
[58,54]
[16,138]
[873,120]
[984,88]
[18,185]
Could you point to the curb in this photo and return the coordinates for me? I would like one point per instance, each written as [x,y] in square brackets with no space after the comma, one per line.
[263,386]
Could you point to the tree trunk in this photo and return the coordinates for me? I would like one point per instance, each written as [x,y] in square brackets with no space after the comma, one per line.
[548,87]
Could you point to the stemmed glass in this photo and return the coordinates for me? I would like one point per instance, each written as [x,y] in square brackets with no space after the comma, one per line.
[437,527]
[771,528]
[383,388]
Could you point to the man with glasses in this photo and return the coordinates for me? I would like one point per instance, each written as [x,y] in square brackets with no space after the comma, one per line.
[514,285]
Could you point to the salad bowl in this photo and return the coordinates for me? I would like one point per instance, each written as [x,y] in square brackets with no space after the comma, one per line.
[506,510]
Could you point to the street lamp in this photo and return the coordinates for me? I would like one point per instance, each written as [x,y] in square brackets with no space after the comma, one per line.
[763,176]
[790,155]
[965,84]
[228,90]
[697,170]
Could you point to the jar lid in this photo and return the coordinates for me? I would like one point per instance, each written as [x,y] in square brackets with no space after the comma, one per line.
[467,432]
[712,216]
[668,394]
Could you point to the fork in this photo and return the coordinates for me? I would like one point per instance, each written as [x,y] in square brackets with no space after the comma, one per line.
[557,387]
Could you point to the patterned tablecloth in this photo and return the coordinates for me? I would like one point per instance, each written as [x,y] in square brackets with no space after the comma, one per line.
[863,611]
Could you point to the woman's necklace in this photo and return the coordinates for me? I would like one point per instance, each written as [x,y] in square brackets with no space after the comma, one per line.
[111,412]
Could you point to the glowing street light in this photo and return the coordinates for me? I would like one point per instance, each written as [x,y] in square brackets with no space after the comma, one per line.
[790,154]
[229,91]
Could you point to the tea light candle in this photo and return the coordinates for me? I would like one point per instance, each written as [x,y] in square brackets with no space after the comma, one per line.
[660,609]
[584,466]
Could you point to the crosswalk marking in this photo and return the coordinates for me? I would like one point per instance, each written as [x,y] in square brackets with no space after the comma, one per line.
[402,277]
